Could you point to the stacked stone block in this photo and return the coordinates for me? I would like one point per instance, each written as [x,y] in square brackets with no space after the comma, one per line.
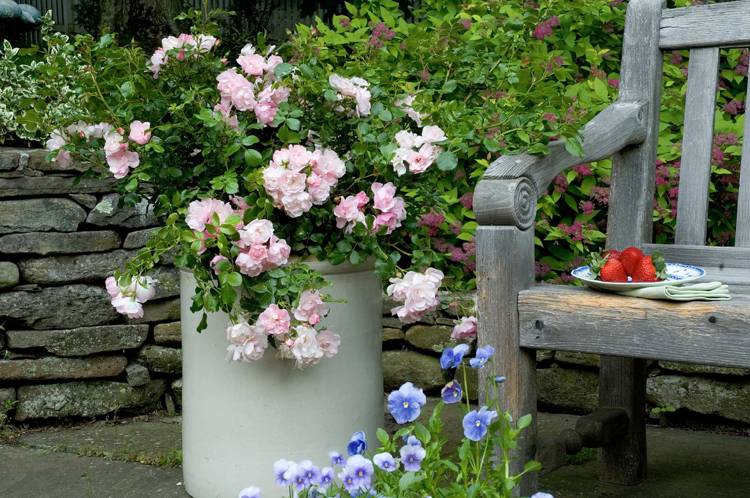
[64,351]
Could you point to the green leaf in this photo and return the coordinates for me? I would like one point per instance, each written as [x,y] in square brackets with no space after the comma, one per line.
[532,466]
[252,157]
[524,421]
[422,433]
[382,437]
[234,279]
[447,161]
[293,124]
[408,480]
[282,70]
[127,89]
[449,86]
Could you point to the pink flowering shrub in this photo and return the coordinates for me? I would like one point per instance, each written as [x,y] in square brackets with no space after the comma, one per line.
[256,165]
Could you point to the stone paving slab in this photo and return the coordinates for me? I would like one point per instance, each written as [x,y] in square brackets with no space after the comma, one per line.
[33,473]
[683,463]
[154,441]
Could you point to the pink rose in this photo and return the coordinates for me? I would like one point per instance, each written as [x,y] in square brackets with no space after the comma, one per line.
[158,59]
[465,329]
[200,213]
[246,342]
[278,252]
[139,132]
[119,158]
[422,159]
[329,343]
[393,210]
[128,306]
[296,203]
[349,211]
[252,64]
[433,134]
[311,307]
[255,232]
[417,292]
[274,320]
[249,265]
[328,165]
[306,349]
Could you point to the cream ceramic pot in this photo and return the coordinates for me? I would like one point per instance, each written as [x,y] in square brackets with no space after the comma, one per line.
[239,418]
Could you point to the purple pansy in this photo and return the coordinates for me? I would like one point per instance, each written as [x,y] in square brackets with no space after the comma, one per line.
[336,458]
[406,404]
[326,478]
[476,423]
[452,392]
[482,357]
[451,357]
[283,471]
[357,444]
[385,461]
[251,492]
[411,457]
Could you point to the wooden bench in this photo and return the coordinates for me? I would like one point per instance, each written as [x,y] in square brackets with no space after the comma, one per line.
[515,316]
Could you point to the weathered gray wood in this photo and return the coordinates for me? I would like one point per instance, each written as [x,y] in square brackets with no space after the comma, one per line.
[602,427]
[619,125]
[712,333]
[721,24]
[622,380]
[742,238]
[622,385]
[505,265]
[506,202]
[695,169]
[705,256]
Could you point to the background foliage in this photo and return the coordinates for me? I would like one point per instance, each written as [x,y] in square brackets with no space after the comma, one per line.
[500,77]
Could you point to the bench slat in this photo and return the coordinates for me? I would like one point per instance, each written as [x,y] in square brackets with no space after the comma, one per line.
[706,256]
[695,171]
[575,319]
[723,24]
[742,238]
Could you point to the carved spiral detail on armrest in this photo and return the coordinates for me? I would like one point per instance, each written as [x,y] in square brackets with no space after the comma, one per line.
[524,203]
[506,202]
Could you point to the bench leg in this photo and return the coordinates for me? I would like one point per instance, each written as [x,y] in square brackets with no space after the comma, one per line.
[622,384]
[505,266]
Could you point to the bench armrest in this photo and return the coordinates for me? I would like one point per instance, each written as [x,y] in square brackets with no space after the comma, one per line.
[508,191]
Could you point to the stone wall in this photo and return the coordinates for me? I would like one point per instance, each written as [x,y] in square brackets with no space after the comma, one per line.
[64,352]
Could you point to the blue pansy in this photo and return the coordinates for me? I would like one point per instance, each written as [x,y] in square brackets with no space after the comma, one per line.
[251,492]
[500,379]
[385,461]
[483,356]
[406,404]
[357,444]
[336,458]
[452,392]
[451,357]
[476,423]
[411,457]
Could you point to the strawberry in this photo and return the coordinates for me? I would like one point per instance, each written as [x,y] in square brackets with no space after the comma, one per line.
[645,271]
[612,253]
[629,258]
[613,271]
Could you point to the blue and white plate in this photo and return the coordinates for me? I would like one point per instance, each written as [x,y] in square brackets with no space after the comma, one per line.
[677,273]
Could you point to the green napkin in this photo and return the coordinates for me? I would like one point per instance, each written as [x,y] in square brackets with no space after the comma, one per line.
[708,291]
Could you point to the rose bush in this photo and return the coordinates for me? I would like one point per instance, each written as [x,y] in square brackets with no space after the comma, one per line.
[504,76]
[258,165]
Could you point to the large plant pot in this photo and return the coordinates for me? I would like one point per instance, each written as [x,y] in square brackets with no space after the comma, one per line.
[239,418]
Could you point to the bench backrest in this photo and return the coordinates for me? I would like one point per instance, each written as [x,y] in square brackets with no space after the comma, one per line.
[649,30]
